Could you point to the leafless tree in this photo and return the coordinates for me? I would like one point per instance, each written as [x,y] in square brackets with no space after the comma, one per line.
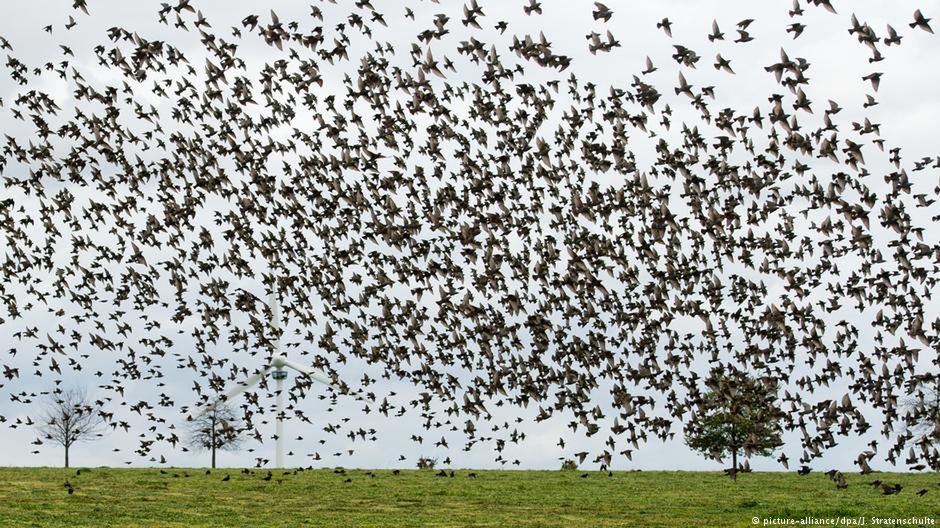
[70,417]
[217,428]
[922,418]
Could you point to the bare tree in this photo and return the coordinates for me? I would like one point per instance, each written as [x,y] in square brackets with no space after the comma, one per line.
[922,418]
[70,417]
[217,428]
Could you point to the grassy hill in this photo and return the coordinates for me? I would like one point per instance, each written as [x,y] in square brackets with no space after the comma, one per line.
[147,497]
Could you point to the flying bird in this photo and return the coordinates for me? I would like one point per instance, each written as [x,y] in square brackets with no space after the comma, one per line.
[921,22]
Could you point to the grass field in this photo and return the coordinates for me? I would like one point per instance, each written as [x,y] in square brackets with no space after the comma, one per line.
[145,497]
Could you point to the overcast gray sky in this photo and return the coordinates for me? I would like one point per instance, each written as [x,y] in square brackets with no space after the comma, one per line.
[908,112]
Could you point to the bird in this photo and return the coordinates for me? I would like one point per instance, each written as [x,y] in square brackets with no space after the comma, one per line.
[893,38]
[887,489]
[723,64]
[796,28]
[921,22]
[827,4]
[796,10]
[666,26]
[743,36]
[533,7]
[875,79]
[602,12]
[716,34]
[684,86]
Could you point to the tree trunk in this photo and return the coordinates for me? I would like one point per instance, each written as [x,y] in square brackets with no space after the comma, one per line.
[213,442]
[66,456]
[734,464]
[734,449]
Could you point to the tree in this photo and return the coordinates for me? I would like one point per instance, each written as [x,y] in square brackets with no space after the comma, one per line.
[738,415]
[922,418]
[69,418]
[217,428]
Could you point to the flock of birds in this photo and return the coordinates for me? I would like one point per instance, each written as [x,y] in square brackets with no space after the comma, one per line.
[435,212]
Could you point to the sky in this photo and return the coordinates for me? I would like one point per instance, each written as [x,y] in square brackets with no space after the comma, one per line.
[907,112]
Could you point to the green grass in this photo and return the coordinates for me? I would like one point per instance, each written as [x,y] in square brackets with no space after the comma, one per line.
[145,497]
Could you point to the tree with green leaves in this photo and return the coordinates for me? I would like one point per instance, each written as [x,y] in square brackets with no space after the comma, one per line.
[738,415]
